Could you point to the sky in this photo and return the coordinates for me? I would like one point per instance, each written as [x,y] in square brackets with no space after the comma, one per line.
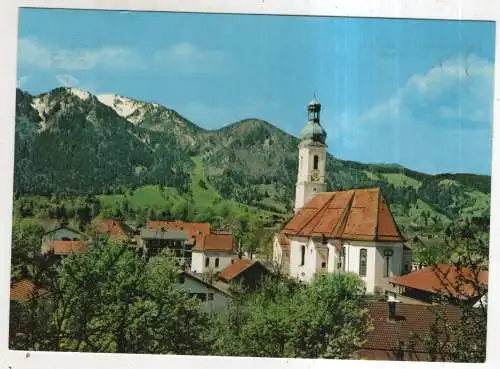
[413,92]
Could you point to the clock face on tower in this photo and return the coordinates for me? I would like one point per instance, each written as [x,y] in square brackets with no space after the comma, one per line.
[315,175]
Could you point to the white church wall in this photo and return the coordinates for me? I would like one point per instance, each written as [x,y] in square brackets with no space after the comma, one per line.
[353,249]
[303,272]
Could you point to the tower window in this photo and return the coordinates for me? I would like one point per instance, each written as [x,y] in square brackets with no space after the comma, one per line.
[315,161]
[362,262]
[302,255]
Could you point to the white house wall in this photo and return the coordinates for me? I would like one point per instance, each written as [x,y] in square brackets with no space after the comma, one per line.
[198,261]
[220,301]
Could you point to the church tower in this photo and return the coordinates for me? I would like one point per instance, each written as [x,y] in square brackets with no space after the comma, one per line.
[312,158]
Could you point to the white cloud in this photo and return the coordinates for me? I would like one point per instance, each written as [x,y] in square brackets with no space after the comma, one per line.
[67,80]
[439,121]
[34,53]
[458,93]
[188,58]
[21,81]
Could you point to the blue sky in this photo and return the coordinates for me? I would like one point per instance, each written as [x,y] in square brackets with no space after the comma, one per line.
[413,92]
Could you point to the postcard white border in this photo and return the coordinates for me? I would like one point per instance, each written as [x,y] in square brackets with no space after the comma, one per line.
[428,9]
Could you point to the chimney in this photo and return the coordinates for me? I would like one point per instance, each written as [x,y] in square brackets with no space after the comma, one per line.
[391,302]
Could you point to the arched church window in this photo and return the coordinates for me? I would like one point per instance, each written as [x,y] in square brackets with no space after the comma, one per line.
[302,255]
[315,161]
[300,162]
[363,256]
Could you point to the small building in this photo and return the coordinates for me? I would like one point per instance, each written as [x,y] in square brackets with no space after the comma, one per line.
[213,298]
[248,273]
[153,241]
[116,230]
[399,330]
[64,241]
[215,253]
[443,280]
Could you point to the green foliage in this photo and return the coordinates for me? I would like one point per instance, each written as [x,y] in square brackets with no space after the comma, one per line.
[280,319]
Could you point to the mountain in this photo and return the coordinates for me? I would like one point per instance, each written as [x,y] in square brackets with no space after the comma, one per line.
[69,141]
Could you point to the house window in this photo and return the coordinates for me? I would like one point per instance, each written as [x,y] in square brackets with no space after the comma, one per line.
[216,262]
[315,162]
[387,256]
[302,255]
[323,264]
[210,296]
[405,268]
[207,262]
[343,258]
[362,262]
[182,278]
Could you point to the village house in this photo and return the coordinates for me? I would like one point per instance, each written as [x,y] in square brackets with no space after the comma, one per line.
[350,230]
[399,330]
[215,253]
[248,273]
[192,243]
[431,284]
[64,241]
[115,230]
[213,297]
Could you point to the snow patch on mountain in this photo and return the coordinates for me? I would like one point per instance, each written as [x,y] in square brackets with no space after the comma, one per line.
[123,106]
[41,106]
[84,95]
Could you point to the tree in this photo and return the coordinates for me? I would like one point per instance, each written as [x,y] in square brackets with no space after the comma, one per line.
[283,319]
[464,340]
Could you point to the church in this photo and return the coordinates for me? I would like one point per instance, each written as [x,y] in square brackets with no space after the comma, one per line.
[351,230]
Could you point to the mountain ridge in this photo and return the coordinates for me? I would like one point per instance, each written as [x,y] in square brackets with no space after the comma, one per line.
[86,145]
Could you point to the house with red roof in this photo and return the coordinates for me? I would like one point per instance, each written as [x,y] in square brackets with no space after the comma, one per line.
[244,271]
[400,331]
[431,283]
[115,230]
[351,230]
[192,243]
[215,253]
[63,241]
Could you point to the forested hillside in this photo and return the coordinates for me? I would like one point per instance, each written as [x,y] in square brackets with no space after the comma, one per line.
[72,143]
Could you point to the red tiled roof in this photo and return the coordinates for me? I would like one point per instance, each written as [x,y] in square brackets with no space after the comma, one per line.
[235,269]
[410,319]
[196,231]
[58,247]
[112,227]
[351,215]
[22,291]
[216,242]
[444,279]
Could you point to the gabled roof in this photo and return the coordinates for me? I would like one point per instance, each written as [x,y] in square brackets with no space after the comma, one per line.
[234,270]
[158,234]
[360,214]
[410,319]
[444,279]
[23,290]
[206,284]
[58,247]
[194,231]
[113,227]
[68,228]
[216,242]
